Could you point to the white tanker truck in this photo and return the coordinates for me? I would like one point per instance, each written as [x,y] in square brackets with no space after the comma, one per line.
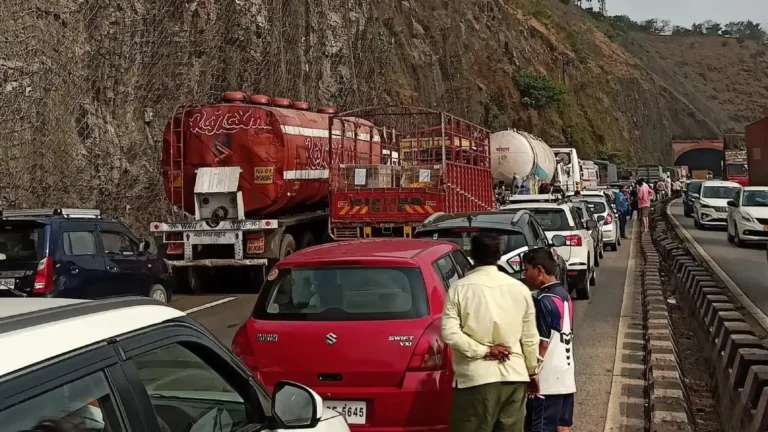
[519,156]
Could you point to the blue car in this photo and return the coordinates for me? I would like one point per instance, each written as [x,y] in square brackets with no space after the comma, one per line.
[692,191]
[76,254]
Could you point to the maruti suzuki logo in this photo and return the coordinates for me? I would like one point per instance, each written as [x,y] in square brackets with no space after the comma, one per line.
[330,338]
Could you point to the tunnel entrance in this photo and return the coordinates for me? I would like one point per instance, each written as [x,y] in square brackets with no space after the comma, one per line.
[702,159]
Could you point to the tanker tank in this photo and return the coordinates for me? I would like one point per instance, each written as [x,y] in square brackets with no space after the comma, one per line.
[517,153]
[280,146]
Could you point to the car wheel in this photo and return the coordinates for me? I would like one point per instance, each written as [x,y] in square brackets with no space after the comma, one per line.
[729,235]
[739,242]
[618,241]
[159,293]
[593,279]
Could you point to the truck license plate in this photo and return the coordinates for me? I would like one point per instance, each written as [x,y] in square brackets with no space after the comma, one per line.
[354,412]
[175,248]
[255,244]
[6,284]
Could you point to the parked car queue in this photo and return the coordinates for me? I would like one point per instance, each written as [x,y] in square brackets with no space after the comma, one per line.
[368,312]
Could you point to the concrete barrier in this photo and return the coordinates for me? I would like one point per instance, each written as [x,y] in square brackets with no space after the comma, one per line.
[738,359]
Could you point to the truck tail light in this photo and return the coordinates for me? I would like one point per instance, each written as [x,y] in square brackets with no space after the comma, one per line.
[573,240]
[431,352]
[44,276]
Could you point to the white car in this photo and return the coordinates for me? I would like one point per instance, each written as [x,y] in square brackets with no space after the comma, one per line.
[711,208]
[135,364]
[559,218]
[609,223]
[748,216]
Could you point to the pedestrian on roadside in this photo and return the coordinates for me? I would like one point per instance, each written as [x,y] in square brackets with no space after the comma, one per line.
[677,188]
[551,410]
[644,195]
[634,209]
[490,322]
[622,206]
[577,193]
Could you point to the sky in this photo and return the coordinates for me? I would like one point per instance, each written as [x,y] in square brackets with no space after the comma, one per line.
[686,12]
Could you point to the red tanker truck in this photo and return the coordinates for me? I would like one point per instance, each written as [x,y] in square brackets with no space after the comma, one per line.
[249,181]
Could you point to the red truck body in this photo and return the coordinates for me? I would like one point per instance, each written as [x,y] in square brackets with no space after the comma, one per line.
[757,152]
[281,147]
[444,168]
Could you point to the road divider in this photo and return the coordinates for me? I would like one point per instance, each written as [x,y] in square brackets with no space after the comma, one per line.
[725,324]
[209,305]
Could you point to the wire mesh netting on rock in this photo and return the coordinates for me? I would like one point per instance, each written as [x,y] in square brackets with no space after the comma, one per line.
[87,86]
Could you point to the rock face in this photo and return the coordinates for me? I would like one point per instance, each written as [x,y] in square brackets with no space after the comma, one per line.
[87,86]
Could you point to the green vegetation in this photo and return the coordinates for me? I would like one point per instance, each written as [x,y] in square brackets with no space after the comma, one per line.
[538,91]
[743,30]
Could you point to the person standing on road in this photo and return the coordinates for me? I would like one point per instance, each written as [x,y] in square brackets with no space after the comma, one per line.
[633,209]
[677,188]
[489,320]
[622,207]
[551,410]
[644,195]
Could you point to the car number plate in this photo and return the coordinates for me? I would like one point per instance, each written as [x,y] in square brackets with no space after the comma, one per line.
[7,283]
[354,412]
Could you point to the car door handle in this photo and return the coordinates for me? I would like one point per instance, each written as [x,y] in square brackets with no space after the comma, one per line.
[112,268]
[74,270]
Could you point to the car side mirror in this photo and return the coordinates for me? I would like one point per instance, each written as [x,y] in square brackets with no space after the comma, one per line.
[591,224]
[732,203]
[295,406]
[144,246]
[557,241]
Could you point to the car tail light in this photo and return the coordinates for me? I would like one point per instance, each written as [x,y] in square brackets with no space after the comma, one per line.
[430,352]
[573,240]
[609,218]
[44,276]
[242,348]
[514,262]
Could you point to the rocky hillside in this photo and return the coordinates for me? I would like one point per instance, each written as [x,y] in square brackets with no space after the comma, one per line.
[86,86]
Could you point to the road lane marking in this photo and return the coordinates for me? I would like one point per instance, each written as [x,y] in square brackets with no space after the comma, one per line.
[209,305]
[742,298]
[616,420]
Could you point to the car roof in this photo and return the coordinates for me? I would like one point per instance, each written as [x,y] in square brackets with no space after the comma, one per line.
[38,329]
[373,249]
[720,183]
[756,188]
[534,205]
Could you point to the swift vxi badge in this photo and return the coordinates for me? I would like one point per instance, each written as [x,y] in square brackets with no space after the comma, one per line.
[405,341]
[266,338]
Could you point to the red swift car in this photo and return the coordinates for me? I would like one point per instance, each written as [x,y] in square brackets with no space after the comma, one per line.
[359,323]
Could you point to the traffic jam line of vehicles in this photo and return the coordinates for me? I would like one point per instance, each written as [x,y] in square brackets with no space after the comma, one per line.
[263,187]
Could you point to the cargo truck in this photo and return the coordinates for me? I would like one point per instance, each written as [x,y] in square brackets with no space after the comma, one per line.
[608,172]
[517,155]
[651,173]
[443,165]
[757,152]
[734,165]
[248,182]
[569,159]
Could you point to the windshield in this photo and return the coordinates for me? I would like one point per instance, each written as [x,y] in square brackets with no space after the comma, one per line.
[596,206]
[22,242]
[756,198]
[343,294]
[719,192]
[510,240]
[552,220]
[737,170]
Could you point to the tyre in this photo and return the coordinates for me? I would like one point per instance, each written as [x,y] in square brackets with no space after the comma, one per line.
[730,237]
[696,223]
[159,293]
[593,279]
[618,241]
[584,290]
[739,242]
[287,246]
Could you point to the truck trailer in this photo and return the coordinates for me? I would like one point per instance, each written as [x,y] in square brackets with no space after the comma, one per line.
[248,183]
[757,152]
[735,166]
[442,165]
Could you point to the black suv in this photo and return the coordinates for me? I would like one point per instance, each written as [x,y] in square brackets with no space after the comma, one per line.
[73,253]
[519,231]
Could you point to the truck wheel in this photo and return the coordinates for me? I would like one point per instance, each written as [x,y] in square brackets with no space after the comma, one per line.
[196,278]
[287,246]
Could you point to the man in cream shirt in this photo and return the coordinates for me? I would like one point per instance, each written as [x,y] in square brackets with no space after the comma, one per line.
[490,322]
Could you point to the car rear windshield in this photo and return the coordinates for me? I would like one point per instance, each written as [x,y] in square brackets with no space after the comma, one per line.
[552,220]
[719,192]
[22,242]
[343,294]
[510,240]
[597,206]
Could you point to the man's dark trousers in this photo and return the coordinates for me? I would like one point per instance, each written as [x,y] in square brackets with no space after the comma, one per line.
[494,407]
[623,224]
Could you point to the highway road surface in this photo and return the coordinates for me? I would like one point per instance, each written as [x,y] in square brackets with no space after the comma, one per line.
[747,267]
[596,325]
